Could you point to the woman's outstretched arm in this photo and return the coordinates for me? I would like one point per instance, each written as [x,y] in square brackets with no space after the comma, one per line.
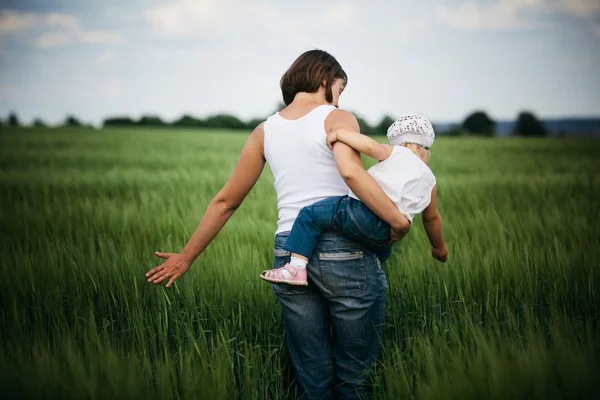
[218,212]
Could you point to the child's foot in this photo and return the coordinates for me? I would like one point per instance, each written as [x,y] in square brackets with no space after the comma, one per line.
[286,274]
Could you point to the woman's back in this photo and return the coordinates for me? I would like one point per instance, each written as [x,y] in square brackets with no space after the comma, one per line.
[303,166]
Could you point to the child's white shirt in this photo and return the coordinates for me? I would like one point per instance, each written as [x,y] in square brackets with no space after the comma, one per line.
[406,179]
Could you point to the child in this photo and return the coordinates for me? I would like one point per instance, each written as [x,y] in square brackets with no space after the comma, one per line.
[402,173]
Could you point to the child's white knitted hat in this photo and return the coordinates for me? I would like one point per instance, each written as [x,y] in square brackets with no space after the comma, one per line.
[414,128]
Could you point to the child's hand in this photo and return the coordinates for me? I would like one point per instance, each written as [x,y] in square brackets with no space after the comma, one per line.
[331,139]
[440,254]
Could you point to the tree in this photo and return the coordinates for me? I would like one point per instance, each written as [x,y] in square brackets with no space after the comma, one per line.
[364,126]
[118,121]
[72,122]
[224,121]
[38,123]
[187,121]
[479,123]
[529,125]
[254,122]
[384,125]
[13,120]
[453,131]
[150,120]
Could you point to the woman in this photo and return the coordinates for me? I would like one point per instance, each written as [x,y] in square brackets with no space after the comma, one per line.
[333,326]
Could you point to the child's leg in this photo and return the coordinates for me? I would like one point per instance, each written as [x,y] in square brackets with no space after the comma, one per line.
[308,226]
[362,225]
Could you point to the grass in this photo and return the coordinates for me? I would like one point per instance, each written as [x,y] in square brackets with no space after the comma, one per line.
[512,314]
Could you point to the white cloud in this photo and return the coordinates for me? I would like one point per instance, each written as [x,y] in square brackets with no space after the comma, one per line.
[53,39]
[579,8]
[67,29]
[501,15]
[11,21]
[55,29]
[64,21]
[185,17]
[180,18]
[98,37]
[508,14]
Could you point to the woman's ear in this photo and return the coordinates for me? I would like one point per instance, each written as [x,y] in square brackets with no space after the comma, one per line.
[324,83]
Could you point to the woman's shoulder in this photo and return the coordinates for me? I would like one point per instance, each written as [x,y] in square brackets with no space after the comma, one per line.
[341,119]
[257,136]
[339,114]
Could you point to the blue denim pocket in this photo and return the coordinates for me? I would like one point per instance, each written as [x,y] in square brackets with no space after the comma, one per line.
[343,273]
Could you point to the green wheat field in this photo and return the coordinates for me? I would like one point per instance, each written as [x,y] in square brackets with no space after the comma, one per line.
[513,314]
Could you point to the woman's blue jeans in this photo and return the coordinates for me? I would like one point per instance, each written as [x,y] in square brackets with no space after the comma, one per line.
[333,326]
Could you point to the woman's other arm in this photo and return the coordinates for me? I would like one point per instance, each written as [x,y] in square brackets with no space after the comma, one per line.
[362,184]
[218,212]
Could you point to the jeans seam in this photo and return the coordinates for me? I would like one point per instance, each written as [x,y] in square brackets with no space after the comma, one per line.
[345,256]
[281,253]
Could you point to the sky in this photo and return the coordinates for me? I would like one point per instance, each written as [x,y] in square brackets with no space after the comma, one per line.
[444,59]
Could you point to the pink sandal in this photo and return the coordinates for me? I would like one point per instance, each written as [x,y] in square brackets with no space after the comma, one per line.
[297,276]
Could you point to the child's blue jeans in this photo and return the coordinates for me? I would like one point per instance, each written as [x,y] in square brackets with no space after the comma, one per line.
[344,215]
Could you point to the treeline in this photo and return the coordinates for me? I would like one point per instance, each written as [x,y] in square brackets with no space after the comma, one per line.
[222,121]
[477,123]
[70,121]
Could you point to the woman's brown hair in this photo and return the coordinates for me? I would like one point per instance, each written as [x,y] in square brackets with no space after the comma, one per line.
[307,74]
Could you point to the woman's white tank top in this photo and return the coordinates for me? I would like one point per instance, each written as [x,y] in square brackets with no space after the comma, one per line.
[302,164]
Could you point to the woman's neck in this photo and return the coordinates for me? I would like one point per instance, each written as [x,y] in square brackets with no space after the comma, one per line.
[303,103]
[304,98]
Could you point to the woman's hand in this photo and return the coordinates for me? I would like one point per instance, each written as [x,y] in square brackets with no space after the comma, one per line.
[399,229]
[396,235]
[175,266]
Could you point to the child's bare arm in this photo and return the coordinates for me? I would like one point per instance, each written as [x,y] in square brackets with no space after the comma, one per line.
[360,142]
[433,227]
